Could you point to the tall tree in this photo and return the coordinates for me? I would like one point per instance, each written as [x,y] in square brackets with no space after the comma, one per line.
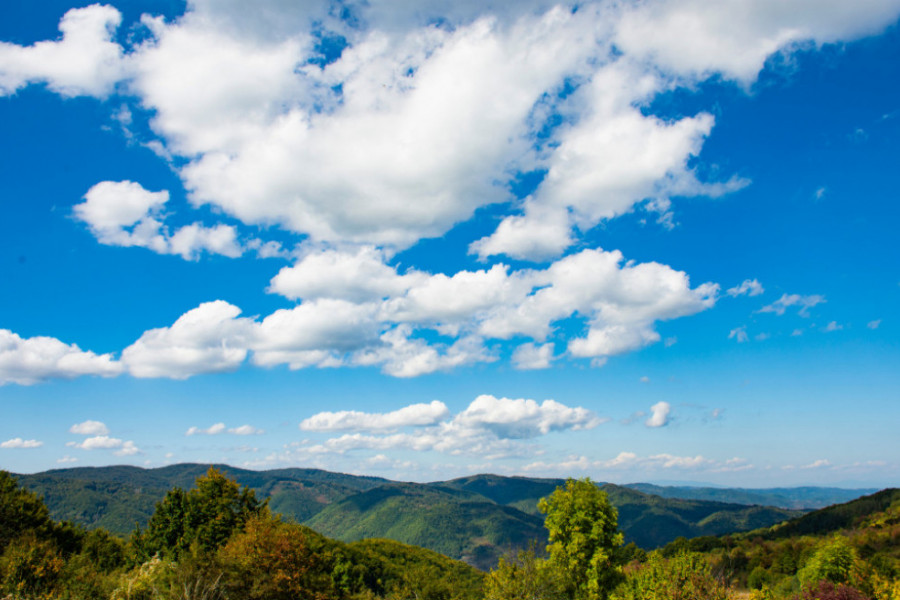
[203,518]
[584,537]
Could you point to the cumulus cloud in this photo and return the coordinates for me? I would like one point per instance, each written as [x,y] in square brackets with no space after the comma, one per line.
[85,62]
[413,127]
[27,361]
[874,324]
[415,415]
[123,213]
[104,442]
[89,428]
[529,356]
[749,287]
[489,426]
[659,415]
[780,306]
[20,443]
[208,339]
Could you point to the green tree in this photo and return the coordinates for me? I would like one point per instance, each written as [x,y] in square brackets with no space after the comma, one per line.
[584,538]
[20,511]
[200,520]
[832,562]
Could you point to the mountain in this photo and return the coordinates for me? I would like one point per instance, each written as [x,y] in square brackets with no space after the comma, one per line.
[798,498]
[475,518]
[454,522]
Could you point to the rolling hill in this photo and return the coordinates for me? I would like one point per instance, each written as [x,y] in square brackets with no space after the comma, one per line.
[475,518]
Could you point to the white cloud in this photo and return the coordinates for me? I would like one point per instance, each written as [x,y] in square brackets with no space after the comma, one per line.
[414,126]
[874,324]
[246,430]
[27,361]
[749,287]
[89,428]
[123,213]
[489,426]
[659,415]
[530,356]
[84,62]
[357,276]
[103,442]
[207,339]
[735,37]
[832,326]
[66,460]
[415,415]
[211,430]
[780,306]
[20,443]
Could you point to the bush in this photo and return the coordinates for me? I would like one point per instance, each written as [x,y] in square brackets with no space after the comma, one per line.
[826,590]
[684,577]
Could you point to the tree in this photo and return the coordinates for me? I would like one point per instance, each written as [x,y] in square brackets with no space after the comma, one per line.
[20,511]
[202,519]
[584,538]
[834,562]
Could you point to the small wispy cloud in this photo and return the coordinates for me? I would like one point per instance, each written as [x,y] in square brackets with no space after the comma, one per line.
[874,324]
[780,306]
[739,334]
[89,428]
[749,287]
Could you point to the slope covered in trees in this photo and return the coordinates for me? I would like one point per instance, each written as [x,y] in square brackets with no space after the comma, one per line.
[476,519]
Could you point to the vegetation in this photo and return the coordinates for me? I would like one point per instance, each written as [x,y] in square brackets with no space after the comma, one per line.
[218,540]
[477,519]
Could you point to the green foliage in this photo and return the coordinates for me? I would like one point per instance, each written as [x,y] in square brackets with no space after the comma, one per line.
[202,519]
[524,577]
[834,562]
[583,538]
[20,511]
[683,577]
[30,566]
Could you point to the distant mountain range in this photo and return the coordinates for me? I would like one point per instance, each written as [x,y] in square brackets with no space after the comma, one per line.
[475,519]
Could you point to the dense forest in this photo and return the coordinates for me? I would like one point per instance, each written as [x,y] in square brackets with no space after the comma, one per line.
[220,540]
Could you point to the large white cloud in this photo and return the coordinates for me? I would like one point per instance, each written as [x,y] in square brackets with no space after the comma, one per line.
[489,426]
[208,339]
[31,360]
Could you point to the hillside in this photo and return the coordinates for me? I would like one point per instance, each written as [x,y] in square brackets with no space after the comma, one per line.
[475,518]
[456,523]
[797,498]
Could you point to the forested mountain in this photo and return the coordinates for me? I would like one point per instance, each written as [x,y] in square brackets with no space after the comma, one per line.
[795,498]
[476,518]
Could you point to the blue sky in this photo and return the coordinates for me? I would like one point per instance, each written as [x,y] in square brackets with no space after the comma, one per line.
[636,241]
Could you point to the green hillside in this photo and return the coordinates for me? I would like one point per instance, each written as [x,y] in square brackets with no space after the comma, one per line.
[453,522]
[793,498]
[475,518]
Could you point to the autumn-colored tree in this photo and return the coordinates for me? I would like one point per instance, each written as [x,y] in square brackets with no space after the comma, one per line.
[584,538]
[272,560]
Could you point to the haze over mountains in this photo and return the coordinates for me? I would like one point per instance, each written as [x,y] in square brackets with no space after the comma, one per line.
[475,518]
